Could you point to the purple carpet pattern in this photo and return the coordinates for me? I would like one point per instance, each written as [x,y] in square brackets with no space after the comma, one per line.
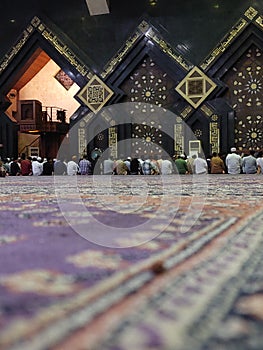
[131,262]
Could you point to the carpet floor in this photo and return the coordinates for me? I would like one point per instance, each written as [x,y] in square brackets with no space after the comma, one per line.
[131,262]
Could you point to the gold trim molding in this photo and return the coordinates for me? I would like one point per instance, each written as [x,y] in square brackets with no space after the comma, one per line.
[108,69]
[224,44]
[144,29]
[15,49]
[166,48]
[63,49]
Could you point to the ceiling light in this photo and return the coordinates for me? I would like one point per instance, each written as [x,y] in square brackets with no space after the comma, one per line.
[98,7]
[153,2]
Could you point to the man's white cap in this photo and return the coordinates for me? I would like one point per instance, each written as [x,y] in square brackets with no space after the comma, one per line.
[233,149]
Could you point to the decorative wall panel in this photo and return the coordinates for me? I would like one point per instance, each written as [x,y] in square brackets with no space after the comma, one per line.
[245,96]
[148,83]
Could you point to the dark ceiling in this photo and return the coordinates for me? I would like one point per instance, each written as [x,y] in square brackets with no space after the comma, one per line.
[196,25]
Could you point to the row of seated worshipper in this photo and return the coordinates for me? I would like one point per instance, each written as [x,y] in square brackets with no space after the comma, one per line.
[27,166]
[36,166]
[244,163]
[131,166]
[149,166]
[137,166]
[236,162]
[232,163]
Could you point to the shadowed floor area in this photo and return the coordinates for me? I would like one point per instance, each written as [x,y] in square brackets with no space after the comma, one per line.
[131,262]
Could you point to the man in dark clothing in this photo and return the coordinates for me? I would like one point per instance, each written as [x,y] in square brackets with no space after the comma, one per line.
[14,168]
[48,167]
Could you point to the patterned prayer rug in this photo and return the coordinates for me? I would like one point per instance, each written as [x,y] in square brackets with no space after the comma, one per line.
[131,262]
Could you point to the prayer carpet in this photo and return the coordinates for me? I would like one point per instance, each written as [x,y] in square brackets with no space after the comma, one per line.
[131,262]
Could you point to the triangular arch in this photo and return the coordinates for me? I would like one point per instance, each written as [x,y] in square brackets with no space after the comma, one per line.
[237,63]
[47,37]
[144,41]
[40,42]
